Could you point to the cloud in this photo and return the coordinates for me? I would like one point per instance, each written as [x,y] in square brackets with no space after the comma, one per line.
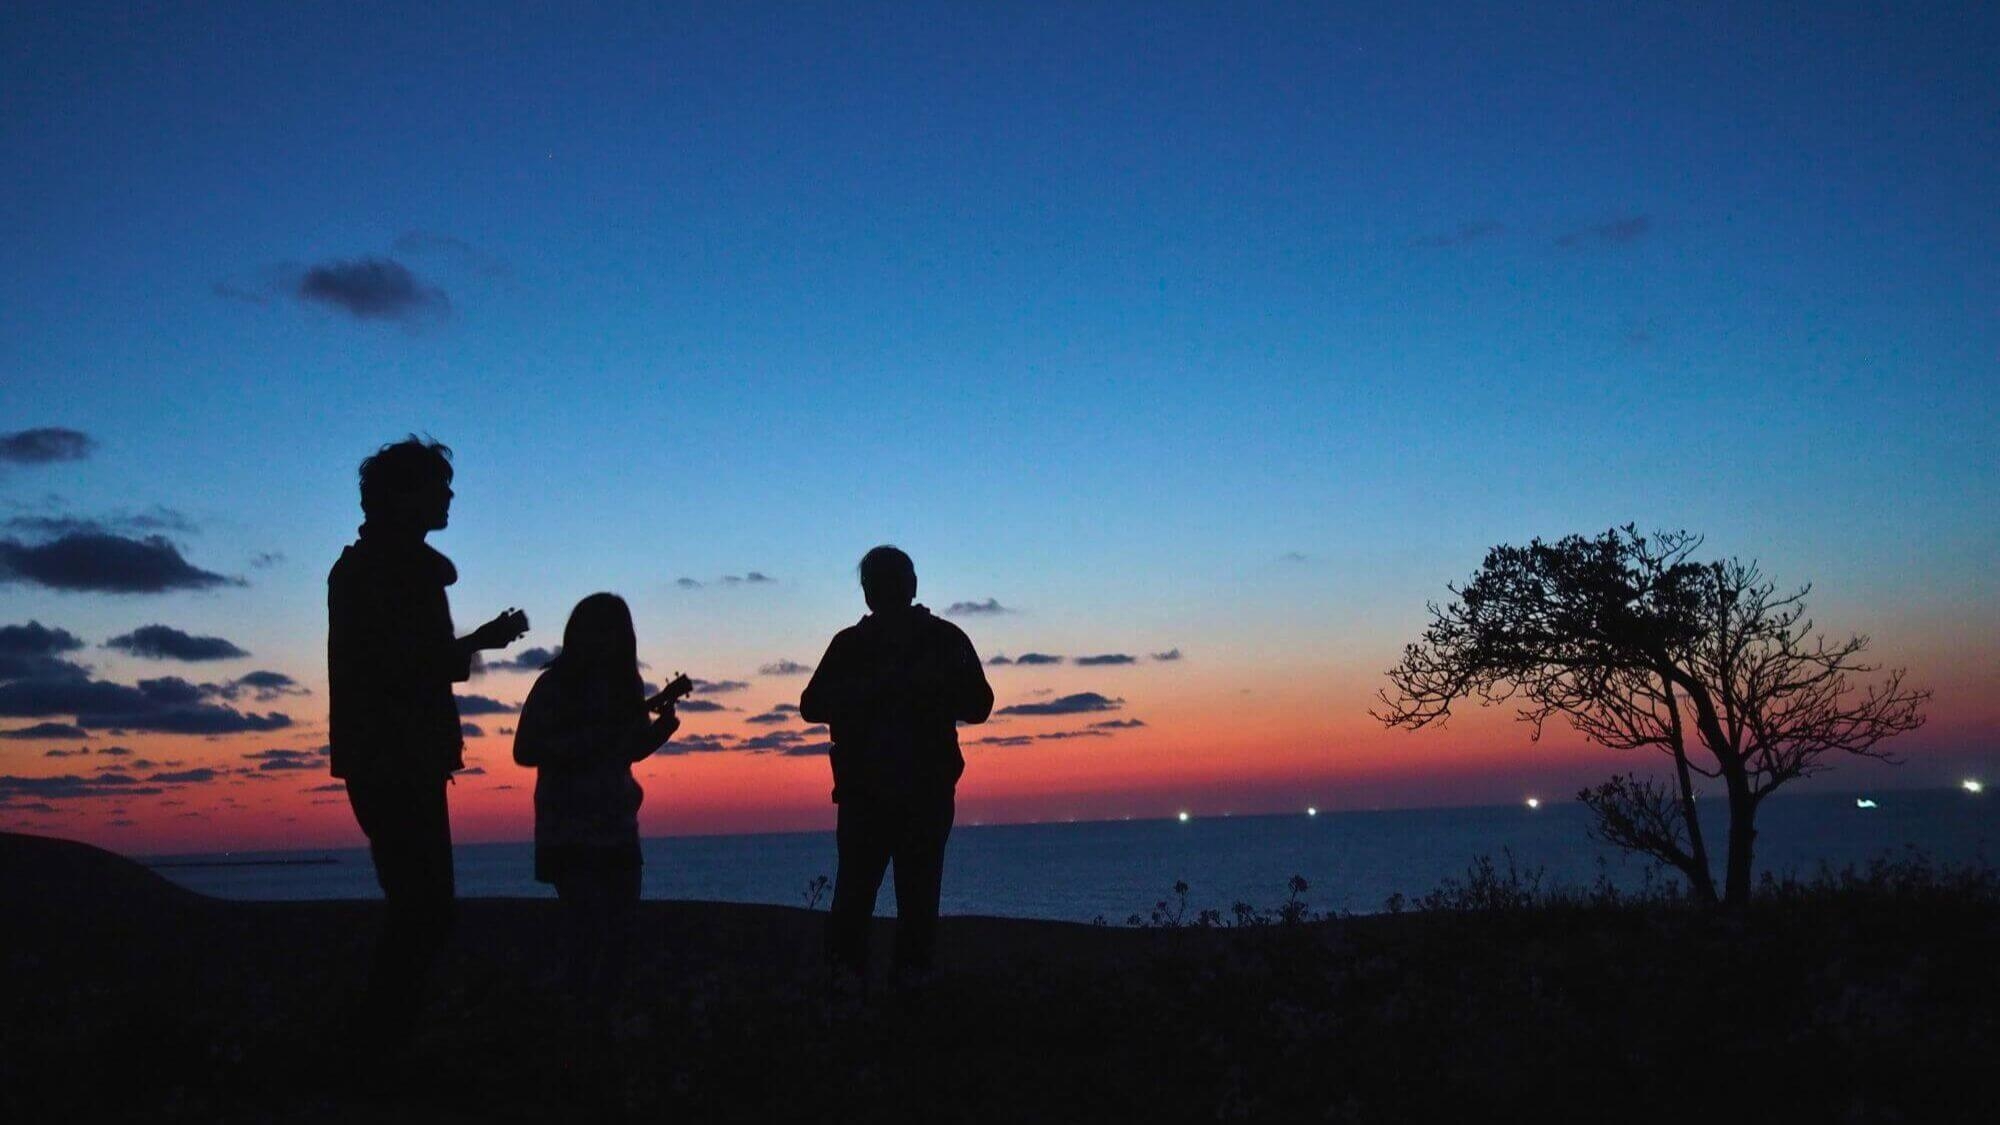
[1057,735]
[373,289]
[772,740]
[752,578]
[1294,557]
[263,684]
[1077,704]
[264,560]
[718,687]
[169,705]
[1461,235]
[104,563]
[484,705]
[72,785]
[44,445]
[1117,724]
[686,583]
[275,760]
[784,668]
[329,787]
[79,752]
[999,660]
[164,642]
[36,639]
[197,776]
[156,518]
[699,705]
[1106,658]
[976,609]
[1034,658]
[527,660]
[45,731]
[782,713]
[806,749]
[1617,232]
[420,243]
[694,744]
[1168,656]
[115,751]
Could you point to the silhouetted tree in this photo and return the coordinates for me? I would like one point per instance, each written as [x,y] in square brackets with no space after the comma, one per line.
[1637,645]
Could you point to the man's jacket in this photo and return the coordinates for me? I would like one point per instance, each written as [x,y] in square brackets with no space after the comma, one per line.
[893,688]
[391,657]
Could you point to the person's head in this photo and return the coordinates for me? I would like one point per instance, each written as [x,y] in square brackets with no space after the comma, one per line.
[599,636]
[888,578]
[408,484]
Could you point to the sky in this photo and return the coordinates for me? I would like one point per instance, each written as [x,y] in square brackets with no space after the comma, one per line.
[1219,338]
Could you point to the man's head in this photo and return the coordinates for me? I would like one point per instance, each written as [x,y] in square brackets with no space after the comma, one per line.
[408,483]
[888,578]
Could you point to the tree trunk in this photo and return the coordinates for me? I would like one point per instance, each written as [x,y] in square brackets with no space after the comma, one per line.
[1698,872]
[1700,876]
[1742,837]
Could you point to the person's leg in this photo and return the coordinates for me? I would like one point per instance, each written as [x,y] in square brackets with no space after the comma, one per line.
[864,856]
[620,904]
[920,878]
[573,894]
[407,830]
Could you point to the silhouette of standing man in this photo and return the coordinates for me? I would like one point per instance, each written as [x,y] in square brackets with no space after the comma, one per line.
[893,689]
[391,660]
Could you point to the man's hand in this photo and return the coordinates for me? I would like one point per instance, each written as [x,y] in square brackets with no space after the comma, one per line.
[502,631]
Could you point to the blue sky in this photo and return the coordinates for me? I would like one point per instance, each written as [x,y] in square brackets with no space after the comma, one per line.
[1104,313]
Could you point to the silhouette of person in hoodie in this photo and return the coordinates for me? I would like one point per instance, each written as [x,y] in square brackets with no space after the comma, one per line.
[392,658]
[893,688]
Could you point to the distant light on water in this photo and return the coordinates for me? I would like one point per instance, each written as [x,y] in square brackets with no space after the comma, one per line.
[1184,816]
[1973,785]
[1863,803]
[1311,811]
[1534,802]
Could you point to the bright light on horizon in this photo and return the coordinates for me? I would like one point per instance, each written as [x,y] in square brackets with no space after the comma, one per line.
[1534,802]
[1973,785]
[1311,811]
[1184,816]
[1863,803]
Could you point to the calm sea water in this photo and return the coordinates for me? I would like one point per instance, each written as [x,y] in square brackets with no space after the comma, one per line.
[1353,860]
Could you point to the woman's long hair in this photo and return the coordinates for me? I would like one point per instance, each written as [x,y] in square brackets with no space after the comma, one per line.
[599,646]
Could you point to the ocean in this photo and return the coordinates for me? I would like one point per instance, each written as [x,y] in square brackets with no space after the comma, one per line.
[1078,872]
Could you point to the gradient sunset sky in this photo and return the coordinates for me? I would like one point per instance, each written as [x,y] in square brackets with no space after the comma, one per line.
[1214,338]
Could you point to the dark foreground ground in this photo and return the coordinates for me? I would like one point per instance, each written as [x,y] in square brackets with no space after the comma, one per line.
[125,997]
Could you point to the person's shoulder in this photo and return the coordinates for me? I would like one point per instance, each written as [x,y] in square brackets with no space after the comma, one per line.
[351,562]
[941,627]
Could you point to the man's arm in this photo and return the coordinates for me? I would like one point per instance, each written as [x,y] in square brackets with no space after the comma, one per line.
[970,695]
[837,690]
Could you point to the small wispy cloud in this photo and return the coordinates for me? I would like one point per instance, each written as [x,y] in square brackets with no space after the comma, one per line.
[784,668]
[373,289]
[988,607]
[1106,659]
[164,642]
[1616,232]
[45,445]
[1080,703]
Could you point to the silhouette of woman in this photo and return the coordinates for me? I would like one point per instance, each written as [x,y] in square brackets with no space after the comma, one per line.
[584,724]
